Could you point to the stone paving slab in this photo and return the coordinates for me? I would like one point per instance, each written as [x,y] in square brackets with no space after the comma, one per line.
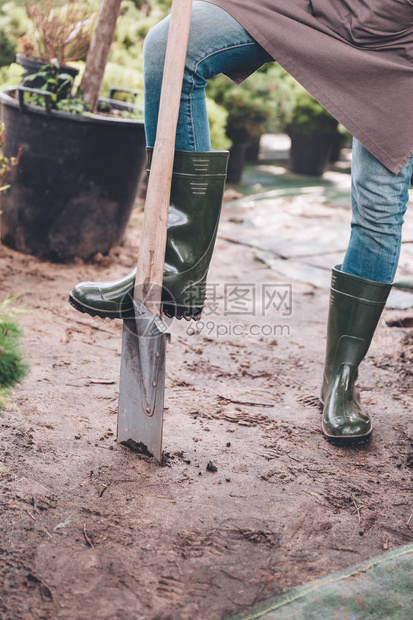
[311,218]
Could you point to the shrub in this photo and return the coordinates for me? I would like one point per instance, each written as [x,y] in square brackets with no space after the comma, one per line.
[217,125]
[122,77]
[309,117]
[247,113]
[261,104]
[131,29]
[7,50]
[12,368]
[10,76]
[274,85]
[13,25]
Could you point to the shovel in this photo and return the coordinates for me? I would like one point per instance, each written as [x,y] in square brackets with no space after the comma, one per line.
[142,373]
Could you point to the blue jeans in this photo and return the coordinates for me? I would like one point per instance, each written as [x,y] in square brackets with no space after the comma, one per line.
[219,44]
[378,200]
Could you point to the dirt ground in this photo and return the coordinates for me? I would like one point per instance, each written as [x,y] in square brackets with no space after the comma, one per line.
[250,501]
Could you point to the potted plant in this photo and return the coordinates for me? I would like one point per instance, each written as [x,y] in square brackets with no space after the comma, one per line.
[253,109]
[247,114]
[274,86]
[57,31]
[76,182]
[312,131]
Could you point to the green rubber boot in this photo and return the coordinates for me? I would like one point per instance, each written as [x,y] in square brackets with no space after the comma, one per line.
[198,183]
[355,308]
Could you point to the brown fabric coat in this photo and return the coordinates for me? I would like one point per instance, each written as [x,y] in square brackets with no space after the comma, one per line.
[354,56]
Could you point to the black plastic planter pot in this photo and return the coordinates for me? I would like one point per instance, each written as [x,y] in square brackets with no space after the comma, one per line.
[240,141]
[310,154]
[236,162]
[75,185]
[253,150]
[337,143]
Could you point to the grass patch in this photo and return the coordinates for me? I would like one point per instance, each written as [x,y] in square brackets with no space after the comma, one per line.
[4,399]
[13,369]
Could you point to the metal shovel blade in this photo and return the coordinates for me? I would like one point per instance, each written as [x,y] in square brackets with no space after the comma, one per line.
[142,384]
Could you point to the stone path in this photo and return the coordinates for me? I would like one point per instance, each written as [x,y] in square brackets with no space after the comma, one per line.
[300,226]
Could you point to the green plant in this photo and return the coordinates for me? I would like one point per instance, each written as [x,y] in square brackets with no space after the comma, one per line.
[264,103]
[51,79]
[277,88]
[7,50]
[59,84]
[13,25]
[12,368]
[10,76]
[131,29]
[247,112]
[217,116]
[13,21]
[309,118]
[4,399]
[123,77]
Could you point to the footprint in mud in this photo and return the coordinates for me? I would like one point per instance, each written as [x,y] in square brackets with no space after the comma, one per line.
[195,544]
[268,538]
[175,588]
[235,416]
[171,586]
[309,400]
[244,418]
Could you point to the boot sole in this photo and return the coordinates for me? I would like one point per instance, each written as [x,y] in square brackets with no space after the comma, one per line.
[343,441]
[346,440]
[171,311]
[101,314]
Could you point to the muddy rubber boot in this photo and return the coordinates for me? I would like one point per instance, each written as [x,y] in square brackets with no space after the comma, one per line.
[198,184]
[356,305]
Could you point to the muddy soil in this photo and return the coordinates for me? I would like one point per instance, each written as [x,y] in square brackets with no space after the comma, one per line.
[250,500]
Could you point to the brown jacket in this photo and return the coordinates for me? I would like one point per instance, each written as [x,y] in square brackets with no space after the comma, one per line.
[354,56]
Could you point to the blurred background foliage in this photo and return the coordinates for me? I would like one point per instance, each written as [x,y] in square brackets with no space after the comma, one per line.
[269,101]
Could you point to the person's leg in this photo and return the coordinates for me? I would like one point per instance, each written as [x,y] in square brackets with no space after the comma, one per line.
[359,289]
[217,44]
[379,200]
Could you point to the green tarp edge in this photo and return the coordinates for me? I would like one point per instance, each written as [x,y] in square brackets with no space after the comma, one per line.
[317,586]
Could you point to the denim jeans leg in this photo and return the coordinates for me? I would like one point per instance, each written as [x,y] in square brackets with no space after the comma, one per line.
[379,199]
[217,44]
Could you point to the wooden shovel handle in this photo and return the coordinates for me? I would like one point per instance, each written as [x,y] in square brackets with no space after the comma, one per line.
[153,240]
